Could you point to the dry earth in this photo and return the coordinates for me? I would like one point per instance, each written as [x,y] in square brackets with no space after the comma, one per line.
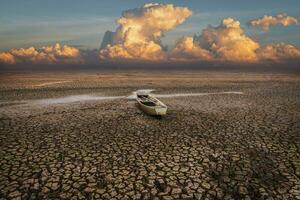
[223,146]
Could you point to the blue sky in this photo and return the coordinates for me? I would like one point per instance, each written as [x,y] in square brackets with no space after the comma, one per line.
[25,23]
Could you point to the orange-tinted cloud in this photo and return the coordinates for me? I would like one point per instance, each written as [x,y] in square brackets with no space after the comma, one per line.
[267,21]
[278,52]
[139,32]
[7,58]
[188,49]
[226,42]
[45,55]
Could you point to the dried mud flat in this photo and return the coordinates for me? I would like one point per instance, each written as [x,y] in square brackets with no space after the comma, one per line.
[226,146]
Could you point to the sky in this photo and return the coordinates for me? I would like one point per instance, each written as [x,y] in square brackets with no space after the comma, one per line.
[83,23]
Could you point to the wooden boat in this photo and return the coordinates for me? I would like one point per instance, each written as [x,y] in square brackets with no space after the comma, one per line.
[151,105]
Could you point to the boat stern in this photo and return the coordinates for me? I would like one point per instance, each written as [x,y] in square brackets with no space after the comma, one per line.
[161,111]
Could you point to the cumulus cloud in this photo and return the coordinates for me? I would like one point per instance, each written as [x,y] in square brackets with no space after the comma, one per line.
[188,49]
[278,52]
[226,42]
[267,21]
[138,37]
[139,32]
[45,55]
[7,58]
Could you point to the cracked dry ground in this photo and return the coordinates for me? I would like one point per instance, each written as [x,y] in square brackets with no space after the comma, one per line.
[207,147]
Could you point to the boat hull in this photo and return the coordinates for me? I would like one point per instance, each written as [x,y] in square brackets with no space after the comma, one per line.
[153,110]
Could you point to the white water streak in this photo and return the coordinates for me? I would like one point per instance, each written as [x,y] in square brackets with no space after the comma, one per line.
[193,94]
[82,98]
[51,83]
[76,98]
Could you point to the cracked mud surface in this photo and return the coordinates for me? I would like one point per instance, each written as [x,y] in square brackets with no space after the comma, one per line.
[207,147]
